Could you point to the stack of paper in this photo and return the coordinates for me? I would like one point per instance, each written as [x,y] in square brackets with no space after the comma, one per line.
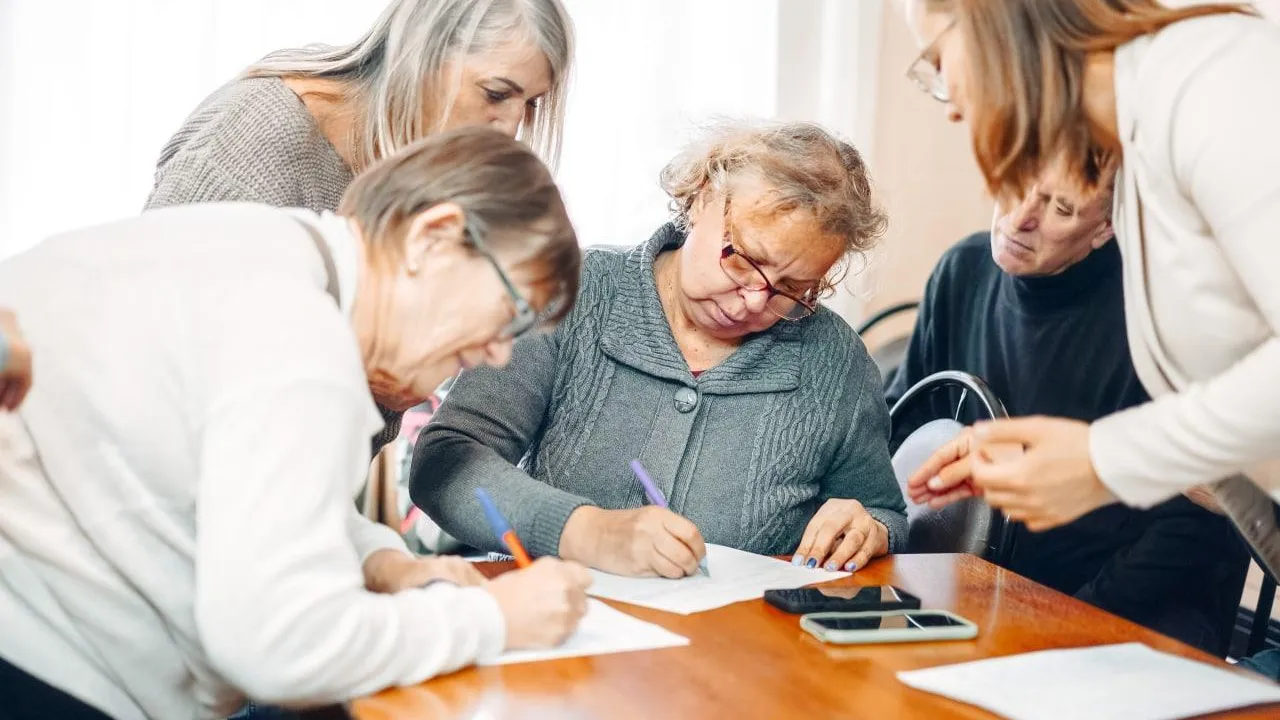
[735,576]
[603,631]
[1113,682]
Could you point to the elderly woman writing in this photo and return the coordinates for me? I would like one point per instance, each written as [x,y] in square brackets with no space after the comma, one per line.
[703,353]
[178,531]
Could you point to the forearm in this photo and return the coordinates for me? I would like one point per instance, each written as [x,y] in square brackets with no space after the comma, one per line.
[863,469]
[895,522]
[369,537]
[447,468]
[304,643]
[1206,432]
[281,606]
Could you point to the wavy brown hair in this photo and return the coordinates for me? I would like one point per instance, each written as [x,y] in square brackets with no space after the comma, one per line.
[1026,78]
[806,169]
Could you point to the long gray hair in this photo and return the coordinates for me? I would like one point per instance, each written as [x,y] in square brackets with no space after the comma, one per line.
[396,69]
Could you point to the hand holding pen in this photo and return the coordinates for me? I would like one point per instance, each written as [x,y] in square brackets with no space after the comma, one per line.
[657,498]
[544,600]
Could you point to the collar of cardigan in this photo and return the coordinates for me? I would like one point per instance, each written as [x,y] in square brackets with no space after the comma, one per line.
[636,334]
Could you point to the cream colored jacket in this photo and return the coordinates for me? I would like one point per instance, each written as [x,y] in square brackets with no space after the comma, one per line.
[1198,216]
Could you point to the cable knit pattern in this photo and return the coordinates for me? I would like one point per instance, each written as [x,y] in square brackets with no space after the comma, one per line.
[254,141]
[794,417]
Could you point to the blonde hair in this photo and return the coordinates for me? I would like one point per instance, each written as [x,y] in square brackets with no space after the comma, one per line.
[804,168]
[507,196]
[397,68]
[1026,78]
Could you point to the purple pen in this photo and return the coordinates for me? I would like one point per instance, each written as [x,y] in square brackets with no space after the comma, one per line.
[646,482]
[655,497]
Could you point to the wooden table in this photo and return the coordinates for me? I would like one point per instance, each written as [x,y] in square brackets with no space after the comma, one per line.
[750,660]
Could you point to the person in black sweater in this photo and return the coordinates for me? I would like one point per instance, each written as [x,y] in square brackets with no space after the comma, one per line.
[1035,308]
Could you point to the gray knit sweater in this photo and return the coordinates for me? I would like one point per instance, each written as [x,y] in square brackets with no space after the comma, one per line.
[254,141]
[748,450]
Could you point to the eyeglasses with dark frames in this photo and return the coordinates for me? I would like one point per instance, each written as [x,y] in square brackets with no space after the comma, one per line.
[747,274]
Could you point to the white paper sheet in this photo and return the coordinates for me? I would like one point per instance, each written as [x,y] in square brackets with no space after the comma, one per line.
[1112,682]
[735,576]
[603,631]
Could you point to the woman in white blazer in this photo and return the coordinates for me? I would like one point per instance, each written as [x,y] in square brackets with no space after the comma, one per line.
[177,530]
[1187,101]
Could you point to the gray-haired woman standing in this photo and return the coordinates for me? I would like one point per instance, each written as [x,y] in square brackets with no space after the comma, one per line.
[293,129]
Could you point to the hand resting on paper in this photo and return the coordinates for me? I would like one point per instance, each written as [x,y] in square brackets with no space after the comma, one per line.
[543,603]
[841,536]
[643,542]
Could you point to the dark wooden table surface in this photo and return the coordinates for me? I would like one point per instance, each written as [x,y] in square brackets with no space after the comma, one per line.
[750,660]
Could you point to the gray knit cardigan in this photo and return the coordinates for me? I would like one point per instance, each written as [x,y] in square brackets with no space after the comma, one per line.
[748,450]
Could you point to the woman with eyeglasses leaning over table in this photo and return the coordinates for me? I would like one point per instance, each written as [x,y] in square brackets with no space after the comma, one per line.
[705,354]
[292,129]
[177,531]
[1186,100]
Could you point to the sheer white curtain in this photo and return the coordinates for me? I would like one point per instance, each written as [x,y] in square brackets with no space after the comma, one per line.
[651,72]
[90,91]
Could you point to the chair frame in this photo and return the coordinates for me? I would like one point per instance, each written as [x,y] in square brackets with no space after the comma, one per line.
[885,314]
[1000,539]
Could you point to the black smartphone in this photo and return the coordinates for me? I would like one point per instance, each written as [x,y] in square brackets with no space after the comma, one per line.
[841,599]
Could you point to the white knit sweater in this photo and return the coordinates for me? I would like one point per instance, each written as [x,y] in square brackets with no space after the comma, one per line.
[177,529]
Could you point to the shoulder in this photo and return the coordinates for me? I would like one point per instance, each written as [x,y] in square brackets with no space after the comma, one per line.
[255,130]
[829,341]
[255,278]
[601,263]
[1229,54]
[602,267]
[1200,40]
[961,270]
[970,255]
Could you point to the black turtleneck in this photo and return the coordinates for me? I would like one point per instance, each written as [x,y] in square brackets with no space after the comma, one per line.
[1057,346]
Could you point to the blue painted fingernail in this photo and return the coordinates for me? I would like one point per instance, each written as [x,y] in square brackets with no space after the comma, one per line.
[797,559]
[831,567]
[851,567]
[813,562]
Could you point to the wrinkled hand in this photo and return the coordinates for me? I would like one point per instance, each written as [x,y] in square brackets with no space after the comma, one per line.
[15,376]
[543,603]
[390,571]
[1051,483]
[842,536]
[642,542]
[947,476]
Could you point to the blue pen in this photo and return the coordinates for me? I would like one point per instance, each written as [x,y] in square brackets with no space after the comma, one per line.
[503,530]
[655,497]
